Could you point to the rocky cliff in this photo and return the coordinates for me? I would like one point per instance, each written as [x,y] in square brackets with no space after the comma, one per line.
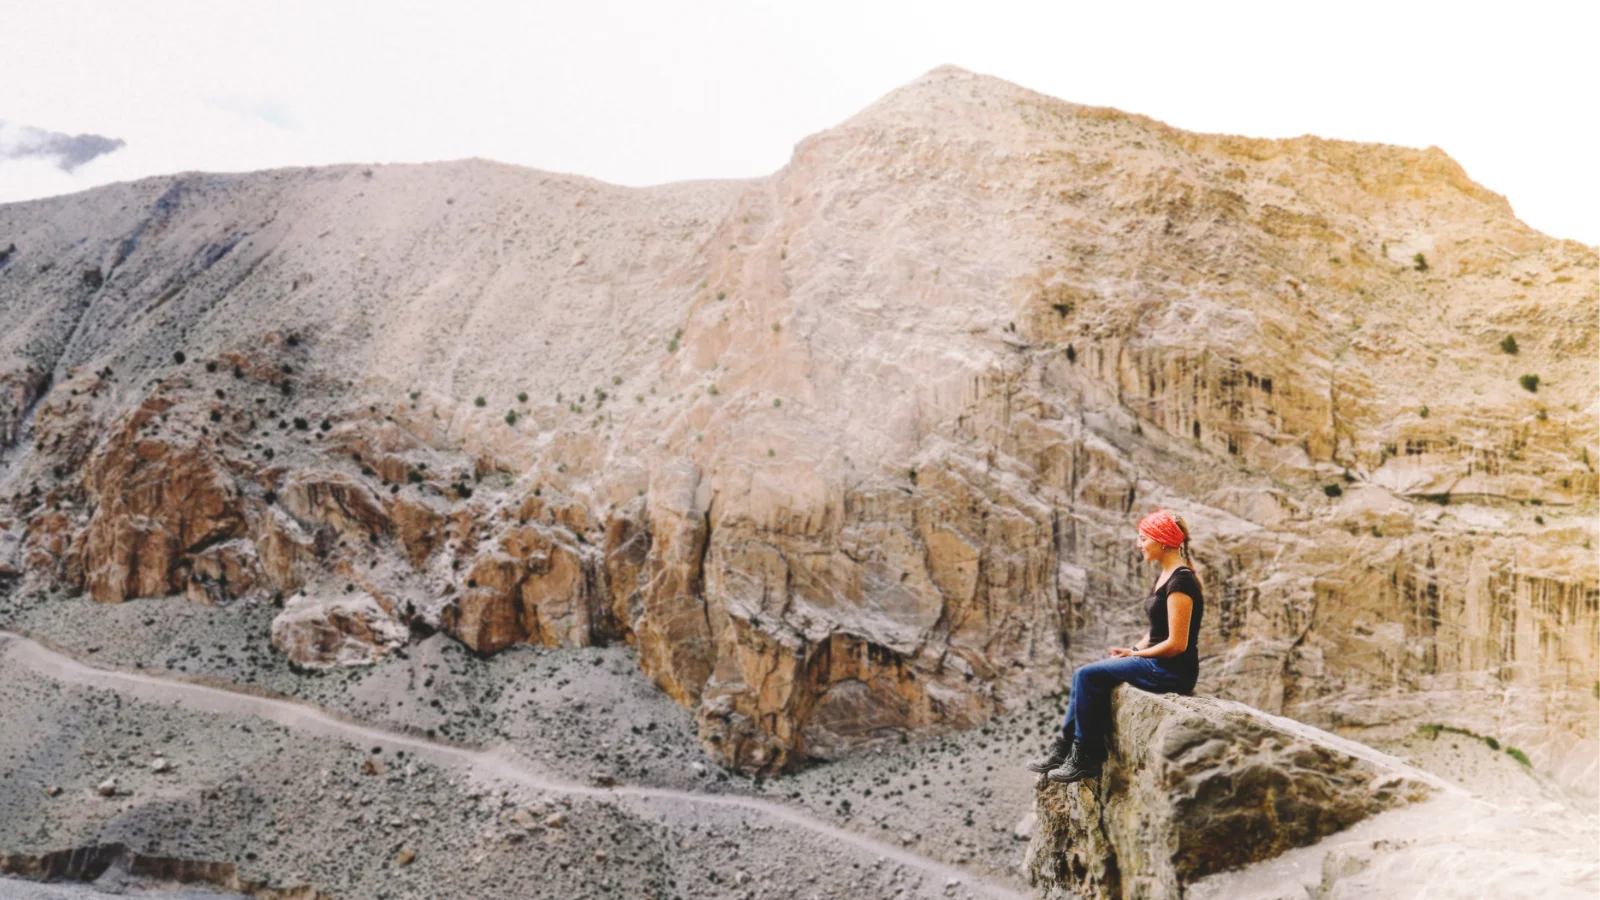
[1194,786]
[851,451]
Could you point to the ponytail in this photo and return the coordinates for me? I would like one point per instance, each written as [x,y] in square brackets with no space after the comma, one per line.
[1184,550]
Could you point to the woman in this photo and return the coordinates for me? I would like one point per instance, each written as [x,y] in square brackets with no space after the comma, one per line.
[1165,661]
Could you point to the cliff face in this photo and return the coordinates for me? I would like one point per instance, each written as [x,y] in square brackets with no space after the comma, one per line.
[851,451]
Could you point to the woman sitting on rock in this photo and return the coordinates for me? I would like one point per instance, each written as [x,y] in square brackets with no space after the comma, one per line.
[1165,661]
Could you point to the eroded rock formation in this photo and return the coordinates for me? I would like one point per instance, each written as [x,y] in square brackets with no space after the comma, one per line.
[849,452]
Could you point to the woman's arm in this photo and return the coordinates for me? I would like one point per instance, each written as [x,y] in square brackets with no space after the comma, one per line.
[1143,642]
[1179,607]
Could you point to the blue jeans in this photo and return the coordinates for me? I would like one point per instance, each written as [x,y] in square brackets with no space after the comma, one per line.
[1089,709]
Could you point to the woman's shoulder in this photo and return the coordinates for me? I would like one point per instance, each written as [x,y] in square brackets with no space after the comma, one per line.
[1183,580]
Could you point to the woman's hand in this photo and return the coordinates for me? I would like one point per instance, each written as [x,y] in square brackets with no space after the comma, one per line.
[1119,651]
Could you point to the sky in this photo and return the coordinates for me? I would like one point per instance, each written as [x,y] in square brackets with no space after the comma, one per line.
[640,92]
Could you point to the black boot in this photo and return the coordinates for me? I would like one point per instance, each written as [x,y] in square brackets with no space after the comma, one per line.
[1081,763]
[1059,750]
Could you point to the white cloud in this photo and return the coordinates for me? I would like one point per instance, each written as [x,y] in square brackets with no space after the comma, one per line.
[639,92]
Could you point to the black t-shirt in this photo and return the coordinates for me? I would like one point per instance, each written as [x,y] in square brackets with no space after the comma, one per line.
[1187,663]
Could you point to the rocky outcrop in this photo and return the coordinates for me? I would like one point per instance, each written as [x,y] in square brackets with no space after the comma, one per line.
[88,863]
[156,504]
[344,630]
[1197,785]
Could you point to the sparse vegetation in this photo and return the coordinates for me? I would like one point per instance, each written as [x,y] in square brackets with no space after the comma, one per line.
[712,390]
[776,401]
[1420,262]
[1541,414]
[211,366]
[414,476]
[178,357]
[1530,383]
[522,396]
[415,395]
[511,417]
[1508,344]
[1423,412]
[300,423]
[1332,490]
[722,295]
[479,401]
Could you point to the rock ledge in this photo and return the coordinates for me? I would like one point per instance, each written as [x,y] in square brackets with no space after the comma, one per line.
[1197,785]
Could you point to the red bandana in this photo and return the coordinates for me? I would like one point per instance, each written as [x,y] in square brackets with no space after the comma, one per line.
[1158,526]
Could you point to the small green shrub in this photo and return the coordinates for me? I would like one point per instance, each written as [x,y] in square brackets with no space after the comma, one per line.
[1420,262]
[1530,383]
[1538,520]
[293,340]
[777,401]
[178,357]
[1493,744]
[211,366]
[511,417]
[414,476]
[722,295]
[1332,490]
[1519,756]
[770,452]
[1423,412]
[1541,414]
[712,390]
[415,395]
[271,497]
[300,423]
[522,396]
[1508,344]
[479,401]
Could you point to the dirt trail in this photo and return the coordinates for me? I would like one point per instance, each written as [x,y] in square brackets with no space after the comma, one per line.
[498,763]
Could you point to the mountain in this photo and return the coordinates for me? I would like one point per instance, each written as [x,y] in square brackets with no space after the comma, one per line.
[851,452]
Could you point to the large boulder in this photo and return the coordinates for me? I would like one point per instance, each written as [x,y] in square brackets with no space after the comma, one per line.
[347,630]
[1197,785]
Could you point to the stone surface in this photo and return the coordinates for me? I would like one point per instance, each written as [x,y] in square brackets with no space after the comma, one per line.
[852,452]
[1194,786]
[342,631]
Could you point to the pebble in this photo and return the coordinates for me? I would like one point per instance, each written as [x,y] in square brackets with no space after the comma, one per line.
[161,765]
[405,856]
[107,787]
[555,820]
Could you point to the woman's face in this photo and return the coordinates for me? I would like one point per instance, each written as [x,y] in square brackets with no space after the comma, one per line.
[1148,548]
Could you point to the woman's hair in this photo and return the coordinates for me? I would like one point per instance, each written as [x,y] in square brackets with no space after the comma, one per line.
[1184,550]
